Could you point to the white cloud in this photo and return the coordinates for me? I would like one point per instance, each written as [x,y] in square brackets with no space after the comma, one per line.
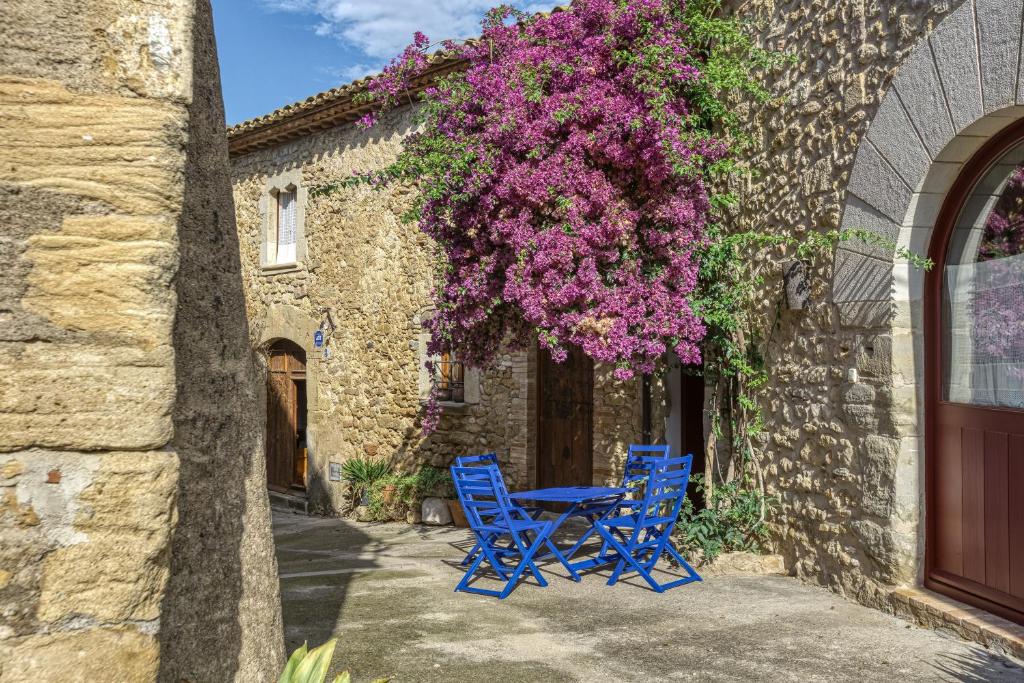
[381,28]
[352,72]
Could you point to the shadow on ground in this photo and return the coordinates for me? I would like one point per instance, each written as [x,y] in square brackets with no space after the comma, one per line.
[386,592]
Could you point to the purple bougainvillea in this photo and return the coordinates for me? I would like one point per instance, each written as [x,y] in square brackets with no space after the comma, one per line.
[561,177]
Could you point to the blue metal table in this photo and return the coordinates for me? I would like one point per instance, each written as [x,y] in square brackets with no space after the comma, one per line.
[603,501]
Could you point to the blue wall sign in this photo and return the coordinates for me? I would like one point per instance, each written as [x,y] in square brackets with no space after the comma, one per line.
[318,339]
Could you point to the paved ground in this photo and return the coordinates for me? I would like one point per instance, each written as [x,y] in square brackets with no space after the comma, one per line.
[386,591]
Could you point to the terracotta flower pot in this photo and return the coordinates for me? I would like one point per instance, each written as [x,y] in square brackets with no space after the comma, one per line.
[458,515]
[389,494]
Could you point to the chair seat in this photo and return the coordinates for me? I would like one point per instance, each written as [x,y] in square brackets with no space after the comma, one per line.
[631,521]
[496,526]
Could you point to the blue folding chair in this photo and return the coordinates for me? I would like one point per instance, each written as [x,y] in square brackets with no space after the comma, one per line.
[642,535]
[483,460]
[492,517]
[635,471]
[634,476]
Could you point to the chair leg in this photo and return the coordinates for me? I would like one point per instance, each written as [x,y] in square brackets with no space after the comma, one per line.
[527,557]
[609,540]
[563,559]
[626,557]
[464,586]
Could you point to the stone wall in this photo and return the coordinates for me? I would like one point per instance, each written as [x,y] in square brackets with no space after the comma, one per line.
[832,446]
[370,274]
[102,419]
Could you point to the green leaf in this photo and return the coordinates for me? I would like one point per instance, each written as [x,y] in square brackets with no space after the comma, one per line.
[313,668]
[293,663]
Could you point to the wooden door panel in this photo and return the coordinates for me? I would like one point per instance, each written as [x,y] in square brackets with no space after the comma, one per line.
[1015,516]
[948,512]
[280,430]
[978,464]
[996,516]
[565,420]
[286,417]
[973,478]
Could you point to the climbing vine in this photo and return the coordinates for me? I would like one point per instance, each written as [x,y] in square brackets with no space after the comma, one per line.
[573,180]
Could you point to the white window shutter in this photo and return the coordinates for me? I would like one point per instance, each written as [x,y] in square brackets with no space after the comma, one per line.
[286,227]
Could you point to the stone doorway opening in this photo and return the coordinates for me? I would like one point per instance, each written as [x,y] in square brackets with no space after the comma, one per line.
[975,404]
[286,445]
[565,420]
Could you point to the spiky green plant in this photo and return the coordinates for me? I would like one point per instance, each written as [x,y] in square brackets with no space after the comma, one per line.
[364,471]
[361,473]
[310,666]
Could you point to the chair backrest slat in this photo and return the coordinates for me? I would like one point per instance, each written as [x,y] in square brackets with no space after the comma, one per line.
[481,488]
[665,490]
[634,473]
[476,460]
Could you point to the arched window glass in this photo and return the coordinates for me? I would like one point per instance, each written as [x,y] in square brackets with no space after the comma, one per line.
[983,292]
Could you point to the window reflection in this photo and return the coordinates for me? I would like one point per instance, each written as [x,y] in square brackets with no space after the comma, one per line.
[983,292]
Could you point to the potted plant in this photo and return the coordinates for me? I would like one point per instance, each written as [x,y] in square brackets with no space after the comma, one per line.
[361,473]
[458,514]
[389,494]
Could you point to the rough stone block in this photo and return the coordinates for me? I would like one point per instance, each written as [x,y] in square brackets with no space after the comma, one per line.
[860,278]
[99,654]
[919,87]
[894,135]
[878,466]
[57,395]
[874,357]
[878,185]
[126,516]
[861,216]
[435,512]
[999,37]
[955,46]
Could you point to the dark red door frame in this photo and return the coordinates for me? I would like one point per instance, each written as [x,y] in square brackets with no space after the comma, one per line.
[974,170]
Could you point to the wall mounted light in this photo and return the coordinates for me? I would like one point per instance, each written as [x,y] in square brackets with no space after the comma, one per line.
[798,288]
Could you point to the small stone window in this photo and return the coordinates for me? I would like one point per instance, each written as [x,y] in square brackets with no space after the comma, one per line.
[282,208]
[450,376]
[456,384]
[284,227]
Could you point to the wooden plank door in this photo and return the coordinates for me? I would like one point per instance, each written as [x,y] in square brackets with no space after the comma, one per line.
[281,434]
[286,419]
[975,385]
[565,420]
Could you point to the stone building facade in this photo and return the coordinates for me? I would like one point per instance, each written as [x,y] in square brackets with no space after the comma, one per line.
[134,523]
[882,116]
[361,277]
[881,119]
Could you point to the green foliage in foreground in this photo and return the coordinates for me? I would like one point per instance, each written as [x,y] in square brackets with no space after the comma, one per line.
[310,666]
[731,521]
[411,489]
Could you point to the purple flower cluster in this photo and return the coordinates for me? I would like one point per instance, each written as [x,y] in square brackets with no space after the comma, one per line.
[386,90]
[562,179]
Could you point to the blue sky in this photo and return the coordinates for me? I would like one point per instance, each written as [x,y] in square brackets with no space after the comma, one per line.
[273,52]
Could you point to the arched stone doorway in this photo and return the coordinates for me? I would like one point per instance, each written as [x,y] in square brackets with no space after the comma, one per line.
[957,91]
[974,325]
[286,418]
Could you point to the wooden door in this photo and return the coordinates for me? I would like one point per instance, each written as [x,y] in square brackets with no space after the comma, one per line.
[975,385]
[691,428]
[565,420]
[286,419]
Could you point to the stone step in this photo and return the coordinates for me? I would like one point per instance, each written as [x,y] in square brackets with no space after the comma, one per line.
[288,502]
